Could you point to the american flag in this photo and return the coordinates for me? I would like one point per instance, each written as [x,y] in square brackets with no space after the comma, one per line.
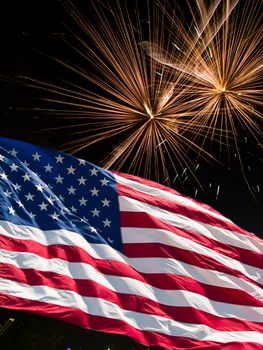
[121,254]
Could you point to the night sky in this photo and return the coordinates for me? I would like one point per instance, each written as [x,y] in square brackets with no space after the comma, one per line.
[29,33]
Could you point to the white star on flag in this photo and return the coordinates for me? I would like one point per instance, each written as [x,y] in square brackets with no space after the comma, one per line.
[13,152]
[59,159]
[71,170]
[13,167]
[11,211]
[71,190]
[106,222]
[105,202]
[7,193]
[43,206]
[93,171]
[26,177]
[82,180]
[29,196]
[82,201]
[36,156]
[94,192]
[48,168]
[59,179]
[104,182]
[95,212]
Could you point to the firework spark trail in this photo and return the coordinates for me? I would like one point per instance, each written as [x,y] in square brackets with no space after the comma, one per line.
[159,89]
[223,64]
[140,106]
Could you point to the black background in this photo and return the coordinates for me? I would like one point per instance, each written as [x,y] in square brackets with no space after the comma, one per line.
[28,34]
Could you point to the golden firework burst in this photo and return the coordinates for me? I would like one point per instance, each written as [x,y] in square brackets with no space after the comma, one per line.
[159,86]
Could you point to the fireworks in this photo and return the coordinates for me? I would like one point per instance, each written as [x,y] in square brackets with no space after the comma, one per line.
[222,65]
[159,87]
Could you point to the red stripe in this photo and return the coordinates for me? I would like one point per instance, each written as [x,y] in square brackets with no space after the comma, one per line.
[88,288]
[158,250]
[156,185]
[115,268]
[144,220]
[174,207]
[69,254]
[79,318]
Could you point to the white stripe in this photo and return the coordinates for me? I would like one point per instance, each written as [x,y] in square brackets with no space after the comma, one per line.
[60,236]
[169,196]
[216,233]
[210,277]
[101,307]
[147,235]
[125,285]
[105,252]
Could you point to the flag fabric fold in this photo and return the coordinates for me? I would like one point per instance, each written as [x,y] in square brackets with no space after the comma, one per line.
[116,253]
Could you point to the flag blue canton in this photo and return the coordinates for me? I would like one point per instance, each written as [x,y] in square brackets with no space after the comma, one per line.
[52,190]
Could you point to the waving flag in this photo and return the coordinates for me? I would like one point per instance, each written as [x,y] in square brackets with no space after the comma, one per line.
[120,254]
